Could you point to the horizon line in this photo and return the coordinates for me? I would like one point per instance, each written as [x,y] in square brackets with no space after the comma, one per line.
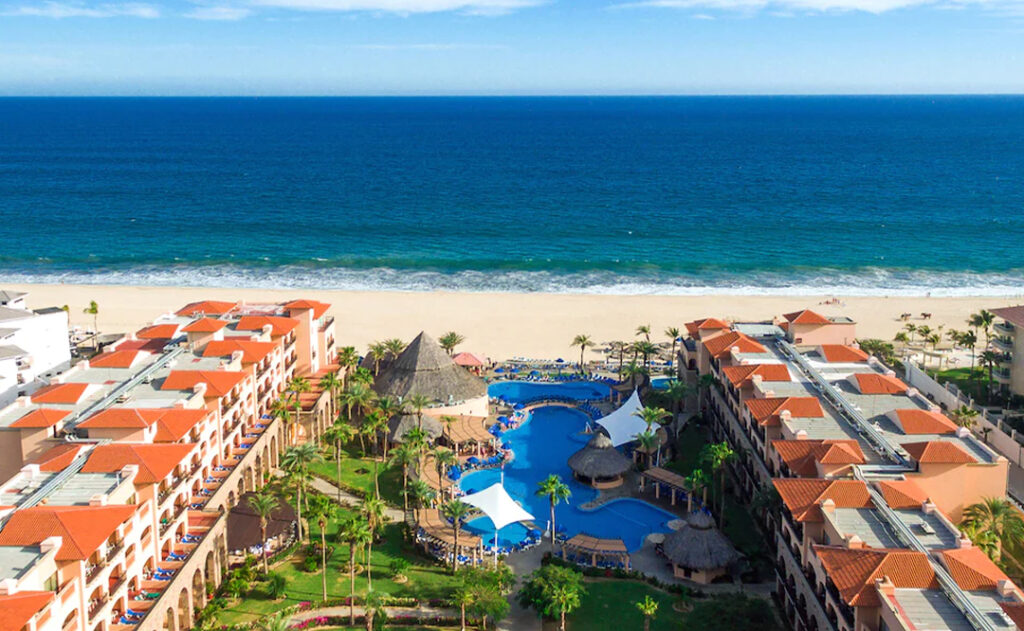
[442,95]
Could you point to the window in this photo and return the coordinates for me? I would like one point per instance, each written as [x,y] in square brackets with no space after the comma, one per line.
[51,583]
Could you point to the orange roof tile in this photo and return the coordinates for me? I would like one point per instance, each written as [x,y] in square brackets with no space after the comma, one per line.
[40,418]
[842,353]
[925,422]
[279,325]
[902,494]
[218,382]
[706,324]
[17,609]
[801,456]
[157,332]
[207,307]
[768,412]
[854,571]
[155,461]
[205,325]
[83,528]
[723,344]
[803,496]
[972,569]
[1016,612]
[938,452]
[115,359]
[175,424]
[121,418]
[252,352]
[319,308]
[740,375]
[467,359]
[806,317]
[58,458]
[873,383]
[61,393]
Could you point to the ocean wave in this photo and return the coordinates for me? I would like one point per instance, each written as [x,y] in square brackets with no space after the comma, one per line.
[803,282]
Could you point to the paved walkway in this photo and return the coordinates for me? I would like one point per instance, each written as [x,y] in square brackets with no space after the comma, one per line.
[523,564]
[350,500]
[407,612]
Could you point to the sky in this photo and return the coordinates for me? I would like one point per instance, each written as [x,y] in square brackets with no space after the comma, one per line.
[510,47]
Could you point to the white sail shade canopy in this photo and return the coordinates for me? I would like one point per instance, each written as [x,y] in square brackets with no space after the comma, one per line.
[497,504]
[623,424]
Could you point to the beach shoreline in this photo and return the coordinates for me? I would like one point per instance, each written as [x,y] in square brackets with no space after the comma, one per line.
[504,325]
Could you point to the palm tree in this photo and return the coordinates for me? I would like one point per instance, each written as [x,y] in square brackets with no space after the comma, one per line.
[359,397]
[983,320]
[348,359]
[620,348]
[969,339]
[443,459]
[296,462]
[297,386]
[422,492]
[911,329]
[583,341]
[263,504]
[377,351]
[648,442]
[652,415]
[356,533]
[389,408]
[405,457]
[332,383]
[565,598]
[322,509]
[373,509]
[418,402]
[280,409]
[633,371]
[997,519]
[556,491]
[677,392]
[645,348]
[933,339]
[394,347]
[649,608]
[340,433]
[901,337]
[697,481]
[450,340]
[455,511]
[989,358]
[277,622]
[964,416]
[673,334]
[94,310]
[717,455]
[374,608]
[645,330]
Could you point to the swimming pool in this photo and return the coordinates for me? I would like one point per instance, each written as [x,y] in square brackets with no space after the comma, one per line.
[542,445]
[515,391]
[661,383]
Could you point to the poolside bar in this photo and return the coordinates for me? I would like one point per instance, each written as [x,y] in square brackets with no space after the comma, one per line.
[596,549]
[659,477]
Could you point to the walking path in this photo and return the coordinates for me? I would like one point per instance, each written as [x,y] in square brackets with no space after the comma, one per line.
[349,500]
[393,612]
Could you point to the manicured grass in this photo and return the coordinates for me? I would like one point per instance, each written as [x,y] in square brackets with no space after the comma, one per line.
[961,377]
[611,605]
[427,580]
[357,474]
[688,445]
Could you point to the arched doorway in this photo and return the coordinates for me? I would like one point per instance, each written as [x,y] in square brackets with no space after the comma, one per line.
[184,610]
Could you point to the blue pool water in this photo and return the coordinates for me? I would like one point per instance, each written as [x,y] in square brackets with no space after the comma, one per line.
[542,446]
[526,390]
[661,383]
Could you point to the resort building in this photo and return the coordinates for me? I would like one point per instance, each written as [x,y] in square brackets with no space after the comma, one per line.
[121,474]
[33,345]
[872,476]
[1008,343]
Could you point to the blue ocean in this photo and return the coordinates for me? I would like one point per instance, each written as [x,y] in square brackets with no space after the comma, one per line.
[853,195]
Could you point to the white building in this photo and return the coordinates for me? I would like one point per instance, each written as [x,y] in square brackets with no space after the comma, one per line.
[33,346]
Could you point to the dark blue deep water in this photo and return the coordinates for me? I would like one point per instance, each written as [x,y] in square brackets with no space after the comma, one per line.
[670,195]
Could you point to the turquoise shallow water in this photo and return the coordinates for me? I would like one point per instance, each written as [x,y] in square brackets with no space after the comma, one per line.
[868,195]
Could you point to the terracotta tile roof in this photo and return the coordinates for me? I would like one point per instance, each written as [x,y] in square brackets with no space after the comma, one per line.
[706,324]
[207,307]
[801,456]
[740,375]
[175,424]
[150,346]
[842,353]
[61,393]
[1016,612]
[806,317]
[218,382]
[902,494]
[938,452]
[721,345]
[17,609]
[854,571]
[1013,315]
[318,308]
[803,496]
[467,359]
[40,418]
[155,462]
[972,569]
[157,332]
[83,528]
[873,383]
[279,325]
[121,418]
[205,325]
[57,458]
[768,412]
[925,422]
[115,359]
[252,352]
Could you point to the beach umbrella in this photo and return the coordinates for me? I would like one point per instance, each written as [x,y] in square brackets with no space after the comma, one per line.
[499,370]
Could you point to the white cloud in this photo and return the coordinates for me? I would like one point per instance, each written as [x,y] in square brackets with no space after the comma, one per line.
[223,13]
[58,10]
[478,7]
[809,6]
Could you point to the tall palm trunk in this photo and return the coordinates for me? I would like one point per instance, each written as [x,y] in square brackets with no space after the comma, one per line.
[298,508]
[323,559]
[455,550]
[351,583]
[405,487]
[337,458]
[263,537]
[552,524]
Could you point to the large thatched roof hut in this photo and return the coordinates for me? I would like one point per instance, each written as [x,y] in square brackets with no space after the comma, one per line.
[424,368]
[400,424]
[599,464]
[698,551]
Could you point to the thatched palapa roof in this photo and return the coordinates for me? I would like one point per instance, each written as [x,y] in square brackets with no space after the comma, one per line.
[399,424]
[599,459]
[699,545]
[424,368]
[244,523]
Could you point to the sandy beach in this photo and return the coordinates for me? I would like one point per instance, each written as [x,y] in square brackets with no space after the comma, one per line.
[503,325]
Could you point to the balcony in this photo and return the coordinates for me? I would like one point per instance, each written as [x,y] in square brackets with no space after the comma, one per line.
[1004,328]
[1001,375]
[1003,343]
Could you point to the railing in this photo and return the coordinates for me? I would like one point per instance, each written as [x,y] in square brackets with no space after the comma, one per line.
[794,569]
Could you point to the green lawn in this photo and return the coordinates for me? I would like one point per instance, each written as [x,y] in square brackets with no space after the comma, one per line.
[426,579]
[688,445]
[357,474]
[961,377]
[611,605]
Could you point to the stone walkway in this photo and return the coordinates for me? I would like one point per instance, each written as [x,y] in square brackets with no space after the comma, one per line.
[419,612]
[350,500]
